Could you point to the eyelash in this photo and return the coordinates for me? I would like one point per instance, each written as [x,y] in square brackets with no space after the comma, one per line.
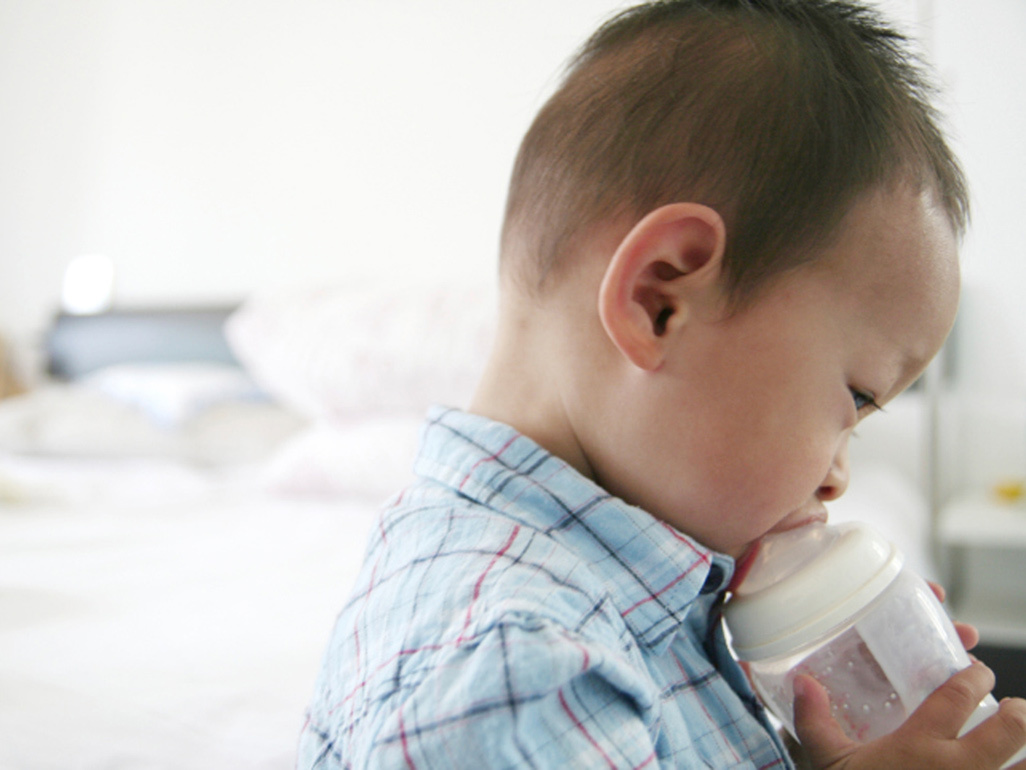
[863,400]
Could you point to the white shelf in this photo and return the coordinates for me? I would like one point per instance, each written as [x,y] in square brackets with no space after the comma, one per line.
[983,522]
[998,625]
[985,540]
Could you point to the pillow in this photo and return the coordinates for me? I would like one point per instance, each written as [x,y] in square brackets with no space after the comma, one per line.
[344,353]
[372,458]
[79,422]
[171,394]
[237,432]
[65,420]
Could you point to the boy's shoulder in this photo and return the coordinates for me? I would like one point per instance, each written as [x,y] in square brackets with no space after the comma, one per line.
[509,607]
[480,567]
[495,520]
[464,613]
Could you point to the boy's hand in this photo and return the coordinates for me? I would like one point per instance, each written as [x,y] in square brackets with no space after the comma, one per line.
[928,739]
[968,634]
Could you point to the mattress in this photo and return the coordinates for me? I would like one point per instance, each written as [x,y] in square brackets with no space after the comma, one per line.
[177,629]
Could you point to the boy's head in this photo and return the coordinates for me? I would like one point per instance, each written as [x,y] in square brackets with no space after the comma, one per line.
[731,235]
[778,114]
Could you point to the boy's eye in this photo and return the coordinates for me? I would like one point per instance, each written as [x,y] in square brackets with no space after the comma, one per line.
[863,400]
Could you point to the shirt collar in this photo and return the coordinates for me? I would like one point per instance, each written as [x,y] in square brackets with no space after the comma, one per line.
[653,572]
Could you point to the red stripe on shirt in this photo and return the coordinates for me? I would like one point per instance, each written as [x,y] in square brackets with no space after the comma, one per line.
[480,581]
[483,460]
[406,745]
[583,729]
[665,588]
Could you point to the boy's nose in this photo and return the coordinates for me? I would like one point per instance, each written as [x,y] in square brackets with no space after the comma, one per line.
[836,480]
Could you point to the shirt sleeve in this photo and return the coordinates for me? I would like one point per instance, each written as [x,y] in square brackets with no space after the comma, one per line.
[525,694]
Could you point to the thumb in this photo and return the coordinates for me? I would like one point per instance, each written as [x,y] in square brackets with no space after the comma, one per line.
[821,737]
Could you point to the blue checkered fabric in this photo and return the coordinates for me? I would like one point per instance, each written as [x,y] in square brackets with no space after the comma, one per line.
[511,613]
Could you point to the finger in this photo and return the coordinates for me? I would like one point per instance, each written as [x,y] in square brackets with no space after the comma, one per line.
[821,737]
[938,590]
[1000,736]
[968,634]
[947,708]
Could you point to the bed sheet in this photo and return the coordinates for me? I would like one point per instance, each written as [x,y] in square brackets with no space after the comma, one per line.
[177,624]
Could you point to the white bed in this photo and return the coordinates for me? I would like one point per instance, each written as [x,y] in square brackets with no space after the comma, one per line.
[173,551]
[181,634]
[174,548]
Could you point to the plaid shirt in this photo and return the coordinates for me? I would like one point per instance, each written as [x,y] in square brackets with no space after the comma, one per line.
[511,613]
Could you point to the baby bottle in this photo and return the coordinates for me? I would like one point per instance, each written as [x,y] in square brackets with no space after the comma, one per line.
[835,602]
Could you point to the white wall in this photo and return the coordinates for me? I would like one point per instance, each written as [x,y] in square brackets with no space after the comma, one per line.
[983,63]
[216,147]
[978,47]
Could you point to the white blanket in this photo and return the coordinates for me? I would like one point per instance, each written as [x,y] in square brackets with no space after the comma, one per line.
[182,634]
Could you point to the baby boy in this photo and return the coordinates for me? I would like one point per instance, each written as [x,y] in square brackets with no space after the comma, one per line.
[730,236]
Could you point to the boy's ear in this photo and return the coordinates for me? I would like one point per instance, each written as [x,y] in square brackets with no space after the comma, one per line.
[660,268]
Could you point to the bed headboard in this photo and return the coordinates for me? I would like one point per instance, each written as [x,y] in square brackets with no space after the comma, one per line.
[79,344]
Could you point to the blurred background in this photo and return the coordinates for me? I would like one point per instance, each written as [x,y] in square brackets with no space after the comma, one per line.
[210,148]
[166,161]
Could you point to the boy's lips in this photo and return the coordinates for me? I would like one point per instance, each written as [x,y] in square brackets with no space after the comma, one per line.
[743,565]
[813,514]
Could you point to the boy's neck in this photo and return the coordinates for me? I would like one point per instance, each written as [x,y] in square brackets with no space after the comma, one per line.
[521,384]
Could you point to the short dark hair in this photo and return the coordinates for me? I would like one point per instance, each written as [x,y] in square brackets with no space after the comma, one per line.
[777,113]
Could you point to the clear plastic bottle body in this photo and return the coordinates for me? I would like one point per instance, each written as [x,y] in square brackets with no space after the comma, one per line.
[878,667]
[837,603]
